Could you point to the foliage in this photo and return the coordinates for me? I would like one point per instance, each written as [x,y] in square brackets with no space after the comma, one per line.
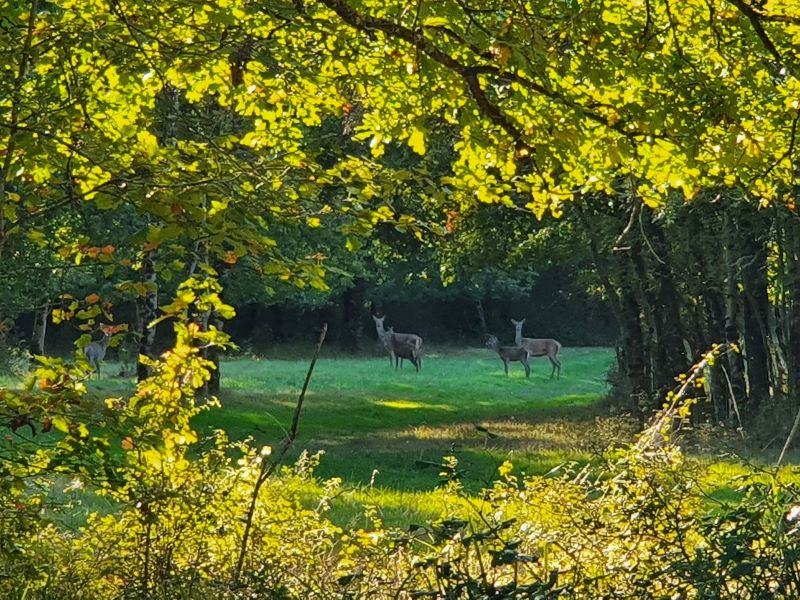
[632,524]
[200,124]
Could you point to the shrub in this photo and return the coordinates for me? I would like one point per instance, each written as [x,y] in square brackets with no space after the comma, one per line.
[633,524]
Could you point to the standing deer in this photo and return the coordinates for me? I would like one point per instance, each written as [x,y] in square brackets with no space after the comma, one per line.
[539,347]
[510,353]
[405,338]
[402,349]
[96,351]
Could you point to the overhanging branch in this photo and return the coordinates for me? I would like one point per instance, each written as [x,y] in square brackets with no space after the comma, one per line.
[755,17]
[470,74]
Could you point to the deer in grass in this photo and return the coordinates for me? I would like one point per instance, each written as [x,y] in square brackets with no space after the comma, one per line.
[96,351]
[510,354]
[539,347]
[404,350]
[388,343]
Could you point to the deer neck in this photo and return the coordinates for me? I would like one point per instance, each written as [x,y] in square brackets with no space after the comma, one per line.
[382,333]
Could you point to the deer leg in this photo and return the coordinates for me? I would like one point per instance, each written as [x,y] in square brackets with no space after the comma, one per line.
[505,366]
[527,369]
[556,366]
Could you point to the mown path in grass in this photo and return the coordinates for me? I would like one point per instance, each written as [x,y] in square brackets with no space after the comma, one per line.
[367,416]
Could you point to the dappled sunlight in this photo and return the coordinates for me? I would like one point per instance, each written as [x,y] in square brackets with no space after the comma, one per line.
[531,461]
[397,508]
[592,435]
[411,405]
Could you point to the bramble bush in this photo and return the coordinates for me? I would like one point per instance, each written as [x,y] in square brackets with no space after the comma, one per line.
[635,523]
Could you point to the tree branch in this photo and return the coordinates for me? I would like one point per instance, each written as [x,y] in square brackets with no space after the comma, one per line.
[268,467]
[755,18]
[469,73]
[22,71]
[789,150]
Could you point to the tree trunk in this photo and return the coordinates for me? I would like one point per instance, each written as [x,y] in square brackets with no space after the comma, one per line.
[756,314]
[735,364]
[213,354]
[479,311]
[354,301]
[633,352]
[792,307]
[666,311]
[39,332]
[146,312]
[653,353]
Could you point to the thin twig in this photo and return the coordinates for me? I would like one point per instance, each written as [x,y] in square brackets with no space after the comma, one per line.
[268,468]
[790,437]
[734,404]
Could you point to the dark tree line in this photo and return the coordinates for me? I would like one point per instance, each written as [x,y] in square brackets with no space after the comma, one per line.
[684,277]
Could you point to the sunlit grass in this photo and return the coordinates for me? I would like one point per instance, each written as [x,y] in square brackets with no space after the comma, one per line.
[384,432]
[368,417]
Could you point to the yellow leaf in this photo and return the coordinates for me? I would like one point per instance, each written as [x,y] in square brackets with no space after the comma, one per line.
[417,141]
[147,143]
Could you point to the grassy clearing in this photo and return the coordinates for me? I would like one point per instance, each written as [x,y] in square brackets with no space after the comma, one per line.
[384,431]
[365,415]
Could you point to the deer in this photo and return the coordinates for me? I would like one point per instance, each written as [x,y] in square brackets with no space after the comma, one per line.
[539,347]
[406,338]
[510,354]
[402,349]
[96,351]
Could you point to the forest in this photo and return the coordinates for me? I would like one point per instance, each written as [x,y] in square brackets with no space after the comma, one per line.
[207,206]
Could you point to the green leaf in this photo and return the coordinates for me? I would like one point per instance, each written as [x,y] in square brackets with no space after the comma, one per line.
[353,244]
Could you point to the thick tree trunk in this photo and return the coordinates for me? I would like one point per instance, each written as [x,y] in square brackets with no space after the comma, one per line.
[793,349]
[146,312]
[791,325]
[354,301]
[732,337]
[671,351]
[633,354]
[479,311]
[653,355]
[756,314]
[720,372]
[39,332]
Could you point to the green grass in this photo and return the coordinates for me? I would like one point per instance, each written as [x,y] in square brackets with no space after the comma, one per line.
[384,431]
[365,415]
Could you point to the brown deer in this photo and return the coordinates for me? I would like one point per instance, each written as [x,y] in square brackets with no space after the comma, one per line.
[402,349]
[96,351]
[539,347]
[510,354]
[405,338]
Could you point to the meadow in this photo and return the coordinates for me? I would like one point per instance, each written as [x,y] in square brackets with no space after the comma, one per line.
[384,431]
